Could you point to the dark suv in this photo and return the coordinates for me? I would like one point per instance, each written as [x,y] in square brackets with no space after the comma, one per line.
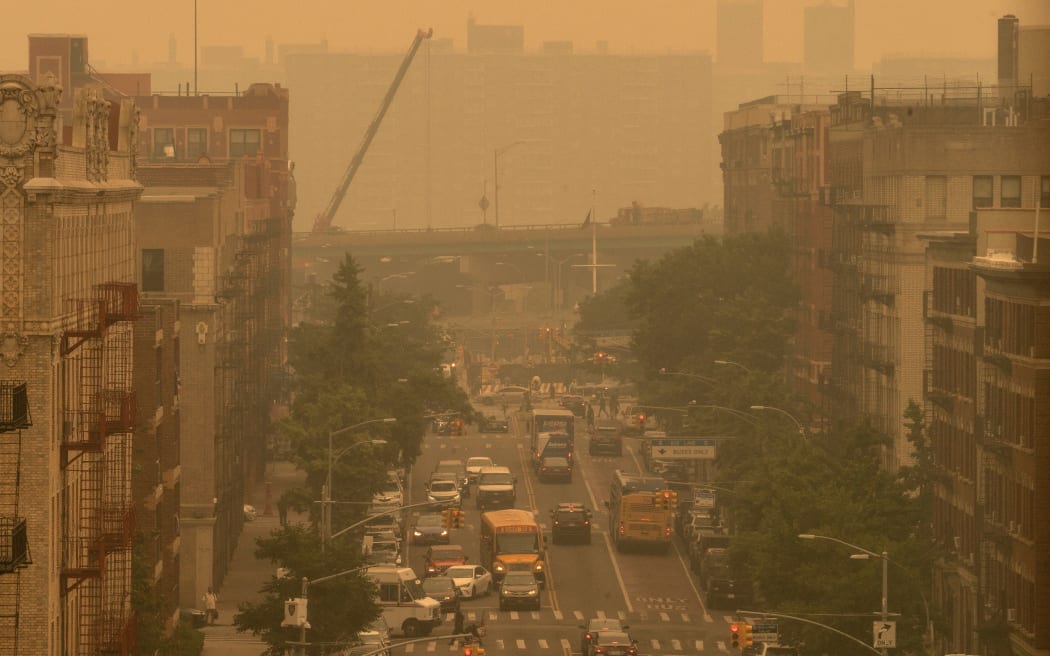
[571,521]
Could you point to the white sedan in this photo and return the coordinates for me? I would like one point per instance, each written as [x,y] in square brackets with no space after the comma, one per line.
[471,580]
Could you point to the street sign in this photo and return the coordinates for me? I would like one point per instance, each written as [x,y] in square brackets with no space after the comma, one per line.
[765,632]
[884,634]
[682,449]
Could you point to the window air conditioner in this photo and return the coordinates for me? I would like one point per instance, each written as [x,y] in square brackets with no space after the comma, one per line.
[1011,614]
[1012,527]
[958,543]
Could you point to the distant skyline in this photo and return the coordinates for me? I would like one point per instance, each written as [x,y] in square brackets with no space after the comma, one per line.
[935,28]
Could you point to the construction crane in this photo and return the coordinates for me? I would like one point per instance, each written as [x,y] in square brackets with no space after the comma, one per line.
[323,221]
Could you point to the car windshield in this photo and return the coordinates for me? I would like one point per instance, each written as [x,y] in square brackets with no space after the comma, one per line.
[479,462]
[461,572]
[517,543]
[606,624]
[519,579]
[442,486]
[414,588]
[496,479]
[391,486]
[429,521]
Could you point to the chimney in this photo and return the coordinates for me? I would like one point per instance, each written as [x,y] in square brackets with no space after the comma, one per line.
[1008,37]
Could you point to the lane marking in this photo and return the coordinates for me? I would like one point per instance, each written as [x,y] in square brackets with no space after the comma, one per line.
[409,648]
[600,615]
[549,587]
[558,615]
[676,645]
[520,643]
[688,577]
[514,615]
[472,616]
[432,646]
[622,615]
[655,643]
[493,616]
[665,617]
[535,615]
[543,644]
[577,614]
[685,617]
[499,645]
[699,645]
[619,576]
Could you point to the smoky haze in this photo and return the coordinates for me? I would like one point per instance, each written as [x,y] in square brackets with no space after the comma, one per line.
[606,104]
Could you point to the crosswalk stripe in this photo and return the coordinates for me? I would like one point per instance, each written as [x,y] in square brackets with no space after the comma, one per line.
[655,643]
[453,646]
[499,645]
[565,644]
[577,614]
[520,643]
[409,648]
[601,614]
[621,614]
[676,645]
[665,617]
[493,616]
[472,616]
[685,617]
[699,645]
[721,645]
[514,615]
[432,646]
[558,615]
[535,615]
[728,619]
[543,644]
[708,618]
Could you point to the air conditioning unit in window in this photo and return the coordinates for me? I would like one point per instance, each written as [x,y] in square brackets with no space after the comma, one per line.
[1011,614]
[1012,526]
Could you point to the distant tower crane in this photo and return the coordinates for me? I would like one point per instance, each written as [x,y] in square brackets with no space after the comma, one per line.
[323,222]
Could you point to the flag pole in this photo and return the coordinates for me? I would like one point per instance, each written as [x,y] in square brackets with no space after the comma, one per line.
[594,245]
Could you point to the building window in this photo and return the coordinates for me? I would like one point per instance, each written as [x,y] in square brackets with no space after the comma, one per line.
[244,142]
[152,269]
[1010,191]
[982,191]
[196,143]
[164,142]
[1044,192]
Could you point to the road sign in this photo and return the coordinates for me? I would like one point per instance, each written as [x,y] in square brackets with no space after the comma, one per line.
[765,632]
[884,634]
[682,449]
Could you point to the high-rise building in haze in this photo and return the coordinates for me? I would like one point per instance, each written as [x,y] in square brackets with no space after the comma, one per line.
[739,34]
[828,38]
[564,123]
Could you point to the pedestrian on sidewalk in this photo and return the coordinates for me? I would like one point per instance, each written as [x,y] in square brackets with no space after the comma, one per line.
[282,510]
[210,599]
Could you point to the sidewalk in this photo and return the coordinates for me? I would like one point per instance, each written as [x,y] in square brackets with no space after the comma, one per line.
[247,574]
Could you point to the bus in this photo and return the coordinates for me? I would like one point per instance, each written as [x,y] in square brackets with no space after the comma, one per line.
[512,540]
[635,518]
[551,421]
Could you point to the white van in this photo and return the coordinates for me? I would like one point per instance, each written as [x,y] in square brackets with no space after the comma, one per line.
[406,608]
[495,488]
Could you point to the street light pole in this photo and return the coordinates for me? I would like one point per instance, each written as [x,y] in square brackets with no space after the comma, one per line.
[865,553]
[326,493]
[798,424]
[495,173]
[733,364]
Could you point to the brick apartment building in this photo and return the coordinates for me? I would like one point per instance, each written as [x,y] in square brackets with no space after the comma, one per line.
[988,417]
[67,301]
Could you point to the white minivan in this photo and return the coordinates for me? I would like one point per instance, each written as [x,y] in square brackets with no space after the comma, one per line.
[406,607]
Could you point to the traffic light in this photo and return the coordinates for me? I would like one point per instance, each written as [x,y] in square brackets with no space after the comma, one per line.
[446,518]
[662,499]
[457,518]
[745,636]
[673,500]
[735,629]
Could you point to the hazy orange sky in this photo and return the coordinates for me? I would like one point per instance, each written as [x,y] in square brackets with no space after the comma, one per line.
[117,28]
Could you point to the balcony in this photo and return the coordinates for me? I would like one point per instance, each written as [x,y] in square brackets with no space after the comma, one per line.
[878,357]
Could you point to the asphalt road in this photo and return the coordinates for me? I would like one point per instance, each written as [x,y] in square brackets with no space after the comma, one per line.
[654,593]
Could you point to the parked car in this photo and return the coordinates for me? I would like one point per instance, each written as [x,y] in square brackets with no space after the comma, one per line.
[519,589]
[390,493]
[428,529]
[596,626]
[443,590]
[471,580]
[439,558]
[554,468]
[571,521]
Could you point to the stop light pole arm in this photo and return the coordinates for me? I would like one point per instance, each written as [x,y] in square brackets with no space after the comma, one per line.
[807,621]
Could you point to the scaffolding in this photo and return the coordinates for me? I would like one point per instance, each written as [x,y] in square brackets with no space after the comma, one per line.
[14,541]
[98,411]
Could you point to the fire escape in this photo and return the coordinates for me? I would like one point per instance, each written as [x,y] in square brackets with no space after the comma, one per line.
[14,542]
[98,407]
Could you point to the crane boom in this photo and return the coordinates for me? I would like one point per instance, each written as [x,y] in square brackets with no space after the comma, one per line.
[323,222]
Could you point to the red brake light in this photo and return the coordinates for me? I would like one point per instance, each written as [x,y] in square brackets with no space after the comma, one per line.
[467,651]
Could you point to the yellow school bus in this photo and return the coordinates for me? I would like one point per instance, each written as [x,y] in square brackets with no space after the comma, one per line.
[636,516]
[512,540]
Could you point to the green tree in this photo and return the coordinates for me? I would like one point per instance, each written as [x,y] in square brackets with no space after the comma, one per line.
[338,608]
